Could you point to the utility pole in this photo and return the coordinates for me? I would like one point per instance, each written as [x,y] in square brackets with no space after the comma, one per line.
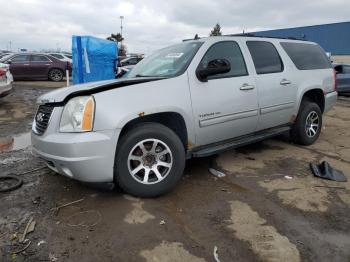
[121,31]
[10,46]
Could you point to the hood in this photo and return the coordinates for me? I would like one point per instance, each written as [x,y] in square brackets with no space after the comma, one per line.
[62,95]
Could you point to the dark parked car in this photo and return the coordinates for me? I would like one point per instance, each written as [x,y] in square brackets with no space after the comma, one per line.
[343,78]
[36,66]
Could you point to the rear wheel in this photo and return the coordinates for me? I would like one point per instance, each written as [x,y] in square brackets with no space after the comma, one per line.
[150,160]
[307,127]
[56,75]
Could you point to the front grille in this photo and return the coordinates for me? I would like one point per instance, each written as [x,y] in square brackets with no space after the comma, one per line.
[42,119]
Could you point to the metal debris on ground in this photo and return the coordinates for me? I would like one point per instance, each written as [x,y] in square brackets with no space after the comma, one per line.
[18,182]
[216,172]
[326,171]
[24,248]
[162,222]
[288,177]
[41,242]
[33,170]
[29,228]
[216,255]
[57,209]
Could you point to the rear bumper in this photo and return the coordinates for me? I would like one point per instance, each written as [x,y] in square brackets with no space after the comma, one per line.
[87,157]
[330,100]
[5,89]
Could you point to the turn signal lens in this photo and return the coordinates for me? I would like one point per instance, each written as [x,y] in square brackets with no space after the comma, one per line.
[88,116]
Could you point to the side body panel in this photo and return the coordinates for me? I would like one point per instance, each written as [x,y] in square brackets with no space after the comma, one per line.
[221,108]
[276,91]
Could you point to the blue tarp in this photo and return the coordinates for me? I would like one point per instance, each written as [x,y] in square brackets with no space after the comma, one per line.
[94,59]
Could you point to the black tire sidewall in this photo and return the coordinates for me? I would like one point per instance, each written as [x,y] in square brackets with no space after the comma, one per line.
[148,131]
[298,131]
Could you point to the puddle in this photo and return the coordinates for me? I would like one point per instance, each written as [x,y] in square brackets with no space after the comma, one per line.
[16,142]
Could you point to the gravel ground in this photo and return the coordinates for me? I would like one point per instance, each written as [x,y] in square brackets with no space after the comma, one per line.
[254,213]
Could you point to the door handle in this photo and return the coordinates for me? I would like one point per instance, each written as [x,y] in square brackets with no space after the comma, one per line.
[246,87]
[285,82]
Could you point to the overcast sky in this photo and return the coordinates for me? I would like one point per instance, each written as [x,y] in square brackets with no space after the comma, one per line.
[152,24]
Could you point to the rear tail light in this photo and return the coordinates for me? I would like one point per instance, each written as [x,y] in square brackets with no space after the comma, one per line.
[2,72]
[334,80]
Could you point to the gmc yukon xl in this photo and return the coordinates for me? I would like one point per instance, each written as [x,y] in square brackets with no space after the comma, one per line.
[192,99]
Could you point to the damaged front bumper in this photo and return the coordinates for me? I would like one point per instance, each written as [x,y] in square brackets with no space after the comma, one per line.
[87,157]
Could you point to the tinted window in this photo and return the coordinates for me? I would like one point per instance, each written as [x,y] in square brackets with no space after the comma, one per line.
[229,51]
[265,57]
[346,69]
[39,58]
[306,56]
[69,56]
[20,58]
[57,56]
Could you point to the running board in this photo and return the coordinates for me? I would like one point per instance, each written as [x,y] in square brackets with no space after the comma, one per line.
[238,142]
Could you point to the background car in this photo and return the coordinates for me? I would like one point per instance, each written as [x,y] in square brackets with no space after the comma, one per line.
[62,56]
[127,64]
[36,66]
[5,54]
[6,80]
[343,78]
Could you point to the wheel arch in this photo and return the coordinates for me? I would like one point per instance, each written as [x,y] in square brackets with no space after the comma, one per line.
[173,120]
[315,95]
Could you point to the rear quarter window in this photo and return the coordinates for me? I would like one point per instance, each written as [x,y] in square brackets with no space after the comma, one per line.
[307,56]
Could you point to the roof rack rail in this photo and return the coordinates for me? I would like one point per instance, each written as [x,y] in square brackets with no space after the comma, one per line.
[261,36]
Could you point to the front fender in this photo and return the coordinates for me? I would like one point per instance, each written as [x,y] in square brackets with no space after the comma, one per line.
[116,107]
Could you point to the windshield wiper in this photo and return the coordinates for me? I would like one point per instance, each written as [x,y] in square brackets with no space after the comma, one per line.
[138,75]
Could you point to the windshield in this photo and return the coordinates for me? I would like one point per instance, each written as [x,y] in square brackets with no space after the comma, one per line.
[168,62]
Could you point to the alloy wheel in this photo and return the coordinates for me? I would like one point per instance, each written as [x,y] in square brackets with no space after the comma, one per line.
[150,161]
[312,124]
[56,75]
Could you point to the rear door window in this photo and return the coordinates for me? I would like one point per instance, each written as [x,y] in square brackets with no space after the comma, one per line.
[226,50]
[40,58]
[306,56]
[265,57]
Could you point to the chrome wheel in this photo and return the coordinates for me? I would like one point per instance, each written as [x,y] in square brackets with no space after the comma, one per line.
[150,161]
[56,75]
[312,124]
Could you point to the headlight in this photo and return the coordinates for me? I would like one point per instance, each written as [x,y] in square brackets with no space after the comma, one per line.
[78,115]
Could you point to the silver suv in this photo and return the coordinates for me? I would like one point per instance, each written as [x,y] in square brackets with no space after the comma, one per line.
[191,99]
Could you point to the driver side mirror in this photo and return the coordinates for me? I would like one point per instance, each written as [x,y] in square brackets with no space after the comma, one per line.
[215,67]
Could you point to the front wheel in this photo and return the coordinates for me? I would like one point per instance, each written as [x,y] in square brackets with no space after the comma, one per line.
[307,127]
[150,160]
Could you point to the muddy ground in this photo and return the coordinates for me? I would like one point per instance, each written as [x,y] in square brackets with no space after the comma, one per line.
[268,207]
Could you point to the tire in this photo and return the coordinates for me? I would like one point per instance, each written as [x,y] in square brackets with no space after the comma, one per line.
[56,75]
[18,183]
[301,133]
[132,164]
